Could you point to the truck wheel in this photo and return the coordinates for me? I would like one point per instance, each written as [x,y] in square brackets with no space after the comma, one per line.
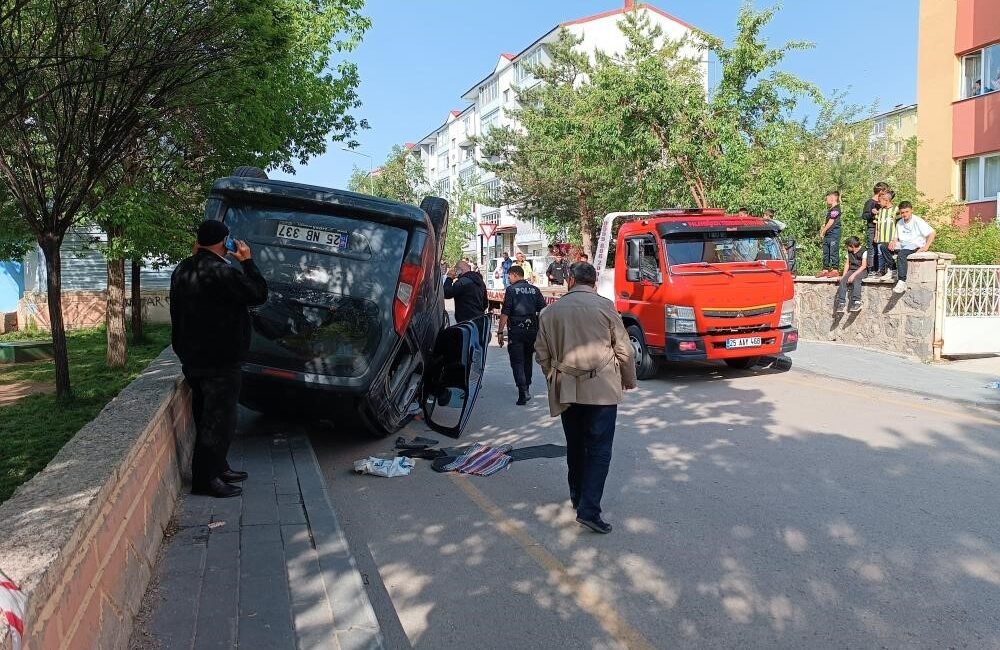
[646,366]
[437,209]
[247,171]
[743,363]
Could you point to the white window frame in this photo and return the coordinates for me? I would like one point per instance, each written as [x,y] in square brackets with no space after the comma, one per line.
[981,184]
[878,128]
[489,122]
[521,72]
[489,92]
[986,55]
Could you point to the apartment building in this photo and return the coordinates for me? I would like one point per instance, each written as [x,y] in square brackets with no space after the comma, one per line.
[890,130]
[450,155]
[958,91]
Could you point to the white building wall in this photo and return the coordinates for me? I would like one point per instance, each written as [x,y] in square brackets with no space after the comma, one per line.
[598,34]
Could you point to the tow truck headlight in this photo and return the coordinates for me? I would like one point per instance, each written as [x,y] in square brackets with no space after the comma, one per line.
[680,320]
[787,314]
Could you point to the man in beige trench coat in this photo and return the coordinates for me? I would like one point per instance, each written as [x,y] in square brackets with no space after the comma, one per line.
[588,361]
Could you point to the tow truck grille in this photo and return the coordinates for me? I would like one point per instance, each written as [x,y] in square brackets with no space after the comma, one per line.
[739,312]
[748,329]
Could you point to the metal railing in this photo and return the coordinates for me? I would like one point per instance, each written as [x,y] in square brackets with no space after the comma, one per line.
[972,291]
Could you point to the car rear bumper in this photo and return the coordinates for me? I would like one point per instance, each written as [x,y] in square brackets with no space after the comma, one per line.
[708,348]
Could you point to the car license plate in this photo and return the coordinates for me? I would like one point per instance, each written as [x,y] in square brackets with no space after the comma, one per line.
[329,238]
[751,342]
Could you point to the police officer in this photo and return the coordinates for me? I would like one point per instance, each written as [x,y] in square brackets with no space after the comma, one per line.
[522,303]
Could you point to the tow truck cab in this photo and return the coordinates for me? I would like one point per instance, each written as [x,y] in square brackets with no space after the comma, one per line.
[700,285]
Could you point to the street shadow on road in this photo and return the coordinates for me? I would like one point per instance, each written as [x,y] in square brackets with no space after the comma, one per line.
[751,510]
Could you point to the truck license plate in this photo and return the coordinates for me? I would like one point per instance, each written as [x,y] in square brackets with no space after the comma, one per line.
[328,238]
[750,342]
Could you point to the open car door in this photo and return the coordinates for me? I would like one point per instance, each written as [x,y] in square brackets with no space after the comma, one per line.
[454,375]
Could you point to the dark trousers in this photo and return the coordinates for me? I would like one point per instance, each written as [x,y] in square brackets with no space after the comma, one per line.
[873,251]
[589,430]
[521,349]
[886,259]
[855,287]
[902,261]
[214,402]
[831,251]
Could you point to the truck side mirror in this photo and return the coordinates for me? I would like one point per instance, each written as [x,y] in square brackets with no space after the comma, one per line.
[633,255]
[633,275]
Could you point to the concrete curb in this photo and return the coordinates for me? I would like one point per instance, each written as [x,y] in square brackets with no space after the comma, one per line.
[356,625]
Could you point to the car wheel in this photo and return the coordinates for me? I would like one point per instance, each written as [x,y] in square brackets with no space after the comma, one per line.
[247,171]
[743,363]
[646,365]
[437,209]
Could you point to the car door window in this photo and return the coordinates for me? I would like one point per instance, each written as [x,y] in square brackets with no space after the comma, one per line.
[455,375]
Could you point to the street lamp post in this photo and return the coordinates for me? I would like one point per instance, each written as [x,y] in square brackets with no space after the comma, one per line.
[371,179]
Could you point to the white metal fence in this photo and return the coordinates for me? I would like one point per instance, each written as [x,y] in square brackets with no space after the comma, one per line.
[971,310]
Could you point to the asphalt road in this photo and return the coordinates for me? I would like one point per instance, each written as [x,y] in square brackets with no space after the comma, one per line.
[751,510]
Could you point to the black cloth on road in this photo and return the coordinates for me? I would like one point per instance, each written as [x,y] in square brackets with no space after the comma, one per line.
[208,311]
[537,451]
[214,402]
[469,293]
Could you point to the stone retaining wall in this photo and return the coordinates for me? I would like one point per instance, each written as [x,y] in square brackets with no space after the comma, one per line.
[900,323]
[81,537]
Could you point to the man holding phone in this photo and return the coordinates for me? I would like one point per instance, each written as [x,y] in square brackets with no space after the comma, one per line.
[209,301]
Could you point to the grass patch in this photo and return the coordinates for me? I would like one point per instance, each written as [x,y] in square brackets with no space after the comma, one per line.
[33,429]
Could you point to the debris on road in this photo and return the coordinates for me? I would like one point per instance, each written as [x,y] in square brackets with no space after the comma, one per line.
[217,524]
[398,466]
[480,461]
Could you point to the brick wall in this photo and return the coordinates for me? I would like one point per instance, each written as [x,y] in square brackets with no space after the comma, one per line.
[86,308]
[82,536]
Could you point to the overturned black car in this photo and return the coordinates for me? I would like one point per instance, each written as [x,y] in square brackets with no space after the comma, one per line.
[355,327]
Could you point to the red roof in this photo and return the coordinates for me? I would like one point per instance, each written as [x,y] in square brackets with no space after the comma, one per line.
[615,12]
[508,56]
[409,145]
[456,113]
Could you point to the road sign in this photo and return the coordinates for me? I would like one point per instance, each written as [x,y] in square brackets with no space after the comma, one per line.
[488,229]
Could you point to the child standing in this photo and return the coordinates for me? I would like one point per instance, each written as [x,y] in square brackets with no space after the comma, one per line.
[869,215]
[855,270]
[831,237]
[885,232]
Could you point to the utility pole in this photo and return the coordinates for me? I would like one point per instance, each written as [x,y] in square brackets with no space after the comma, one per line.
[371,179]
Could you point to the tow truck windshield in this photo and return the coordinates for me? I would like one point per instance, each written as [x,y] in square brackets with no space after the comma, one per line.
[710,249]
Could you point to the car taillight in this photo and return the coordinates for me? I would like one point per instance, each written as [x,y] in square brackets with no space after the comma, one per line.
[410,278]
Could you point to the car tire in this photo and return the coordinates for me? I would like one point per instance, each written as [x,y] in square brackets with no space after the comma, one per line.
[742,363]
[646,365]
[247,171]
[437,209]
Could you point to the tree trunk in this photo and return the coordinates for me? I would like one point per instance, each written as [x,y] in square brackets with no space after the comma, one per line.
[51,244]
[115,318]
[586,238]
[138,336]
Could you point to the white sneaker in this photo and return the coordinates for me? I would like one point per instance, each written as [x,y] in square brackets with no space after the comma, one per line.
[887,277]
[900,287]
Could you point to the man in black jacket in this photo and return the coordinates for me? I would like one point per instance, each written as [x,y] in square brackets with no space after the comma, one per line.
[468,289]
[209,300]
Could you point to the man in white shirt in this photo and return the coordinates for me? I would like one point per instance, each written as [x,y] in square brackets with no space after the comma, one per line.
[913,235]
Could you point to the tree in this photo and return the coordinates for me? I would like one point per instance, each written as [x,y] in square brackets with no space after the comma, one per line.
[401,178]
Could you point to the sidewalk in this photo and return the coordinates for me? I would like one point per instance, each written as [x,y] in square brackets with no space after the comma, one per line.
[961,381]
[268,570]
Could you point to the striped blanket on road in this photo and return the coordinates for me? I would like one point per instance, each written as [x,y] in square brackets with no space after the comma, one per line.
[480,461]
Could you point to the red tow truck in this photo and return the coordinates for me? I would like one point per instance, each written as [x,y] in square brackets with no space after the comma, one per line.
[698,285]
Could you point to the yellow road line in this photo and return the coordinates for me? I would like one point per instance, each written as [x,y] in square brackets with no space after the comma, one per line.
[883,398]
[586,597]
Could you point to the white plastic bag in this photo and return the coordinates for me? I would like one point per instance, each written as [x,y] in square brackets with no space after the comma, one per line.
[398,466]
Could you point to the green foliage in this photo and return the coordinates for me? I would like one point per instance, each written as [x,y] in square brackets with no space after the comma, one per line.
[400,178]
[34,428]
[977,244]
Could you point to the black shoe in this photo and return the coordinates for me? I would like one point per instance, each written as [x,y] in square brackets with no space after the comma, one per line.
[598,525]
[522,398]
[218,489]
[232,476]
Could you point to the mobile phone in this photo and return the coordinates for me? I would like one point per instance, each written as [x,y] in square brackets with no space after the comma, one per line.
[230,244]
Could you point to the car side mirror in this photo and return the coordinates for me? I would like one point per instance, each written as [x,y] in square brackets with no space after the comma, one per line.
[633,255]
[633,275]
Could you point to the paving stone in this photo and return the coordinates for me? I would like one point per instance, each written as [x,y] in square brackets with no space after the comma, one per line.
[265,620]
[194,511]
[217,615]
[358,639]
[261,551]
[291,513]
[311,611]
[258,509]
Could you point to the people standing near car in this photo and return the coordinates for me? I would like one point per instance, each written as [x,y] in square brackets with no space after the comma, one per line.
[468,289]
[529,272]
[588,360]
[913,235]
[522,303]
[209,301]
[558,270]
[830,234]
[505,265]
[869,216]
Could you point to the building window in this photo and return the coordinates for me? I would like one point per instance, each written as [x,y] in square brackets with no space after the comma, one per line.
[489,122]
[981,72]
[878,128]
[443,162]
[432,148]
[442,139]
[444,187]
[980,178]
[491,192]
[488,93]
[491,217]
[897,147]
[521,72]
[506,96]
